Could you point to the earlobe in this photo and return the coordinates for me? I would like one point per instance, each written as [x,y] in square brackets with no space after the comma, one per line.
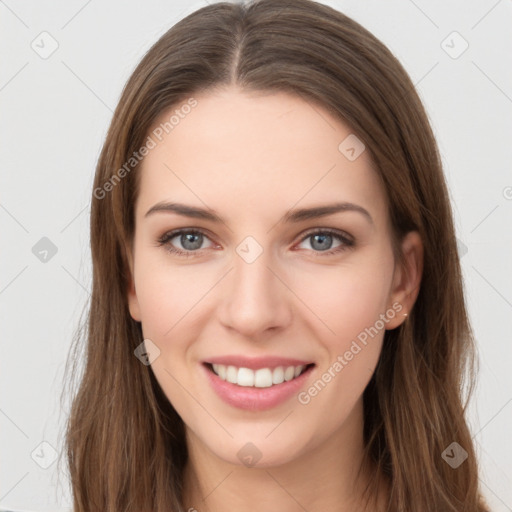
[133,302]
[407,278]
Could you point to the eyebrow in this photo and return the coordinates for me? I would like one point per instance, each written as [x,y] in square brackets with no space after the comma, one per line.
[292,216]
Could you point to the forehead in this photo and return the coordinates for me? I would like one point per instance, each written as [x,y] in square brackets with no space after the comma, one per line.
[259,153]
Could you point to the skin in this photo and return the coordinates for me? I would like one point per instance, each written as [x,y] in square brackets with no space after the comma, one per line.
[251,158]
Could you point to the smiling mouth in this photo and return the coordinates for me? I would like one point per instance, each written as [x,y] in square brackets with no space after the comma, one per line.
[260,378]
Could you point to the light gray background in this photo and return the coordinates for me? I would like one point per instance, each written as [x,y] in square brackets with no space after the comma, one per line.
[54,117]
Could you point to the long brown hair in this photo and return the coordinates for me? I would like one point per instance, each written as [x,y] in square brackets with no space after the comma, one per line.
[125,442]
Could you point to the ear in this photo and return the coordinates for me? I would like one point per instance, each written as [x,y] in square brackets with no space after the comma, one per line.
[406,279]
[133,301]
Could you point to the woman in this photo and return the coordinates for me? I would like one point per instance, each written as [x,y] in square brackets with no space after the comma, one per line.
[277,318]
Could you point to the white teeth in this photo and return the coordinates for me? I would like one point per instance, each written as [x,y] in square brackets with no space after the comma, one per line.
[278,375]
[289,373]
[245,377]
[261,378]
[231,374]
[221,371]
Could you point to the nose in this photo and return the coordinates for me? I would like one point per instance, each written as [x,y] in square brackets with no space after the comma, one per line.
[255,298]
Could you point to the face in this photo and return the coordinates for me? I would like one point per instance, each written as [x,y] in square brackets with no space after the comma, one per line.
[269,285]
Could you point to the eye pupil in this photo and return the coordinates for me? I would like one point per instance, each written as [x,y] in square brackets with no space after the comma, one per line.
[323,246]
[189,237]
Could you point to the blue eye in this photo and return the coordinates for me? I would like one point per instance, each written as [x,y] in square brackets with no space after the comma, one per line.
[322,240]
[191,241]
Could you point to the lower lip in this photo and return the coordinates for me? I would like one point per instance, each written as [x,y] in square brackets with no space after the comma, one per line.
[252,398]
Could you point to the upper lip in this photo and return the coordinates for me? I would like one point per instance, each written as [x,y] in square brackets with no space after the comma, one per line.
[255,363]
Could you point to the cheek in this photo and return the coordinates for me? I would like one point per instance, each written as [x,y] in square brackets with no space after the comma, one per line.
[350,303]
[349,298]
[159,307]
[168,296]
[168,300]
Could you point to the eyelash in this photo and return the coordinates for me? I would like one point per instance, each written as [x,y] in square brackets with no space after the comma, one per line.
[347,243]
